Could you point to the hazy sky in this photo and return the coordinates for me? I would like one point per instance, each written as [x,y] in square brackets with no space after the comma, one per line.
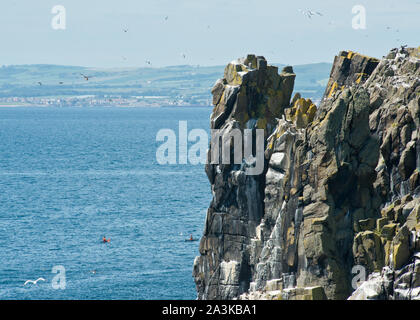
[208,32]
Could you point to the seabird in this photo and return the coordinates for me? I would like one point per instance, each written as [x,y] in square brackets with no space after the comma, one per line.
[32,281]
[310,13]
[316,12]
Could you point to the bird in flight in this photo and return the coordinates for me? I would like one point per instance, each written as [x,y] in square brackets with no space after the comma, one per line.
[125,30]
[148,62]
[32,281]
[61,82]
[40,83]
[166,18]
[310,13]
[86,77]
[183,55]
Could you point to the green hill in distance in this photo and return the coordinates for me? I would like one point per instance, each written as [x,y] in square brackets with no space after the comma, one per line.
[173,85]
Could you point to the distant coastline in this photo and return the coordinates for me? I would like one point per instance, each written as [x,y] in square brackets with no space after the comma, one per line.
[186,85]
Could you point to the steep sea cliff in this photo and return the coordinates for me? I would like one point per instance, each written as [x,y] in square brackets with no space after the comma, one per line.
[339,194]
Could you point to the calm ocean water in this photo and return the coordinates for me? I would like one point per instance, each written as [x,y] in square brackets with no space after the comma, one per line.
[70,176]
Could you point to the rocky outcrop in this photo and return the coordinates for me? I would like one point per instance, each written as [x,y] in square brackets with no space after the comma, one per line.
[251,95]
[340,185]
[349,68]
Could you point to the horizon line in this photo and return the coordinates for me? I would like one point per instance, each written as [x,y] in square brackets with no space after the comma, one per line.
[147,67]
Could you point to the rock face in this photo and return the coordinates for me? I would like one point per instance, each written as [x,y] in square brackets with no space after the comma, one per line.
[340,185]
[251,95]
[349,68]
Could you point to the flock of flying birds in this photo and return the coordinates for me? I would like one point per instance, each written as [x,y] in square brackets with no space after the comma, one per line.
[148,62]
[307,13]
[61,82]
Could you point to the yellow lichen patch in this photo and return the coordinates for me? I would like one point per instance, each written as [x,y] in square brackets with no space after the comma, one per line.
[276,135]
[232,73]
[302,113]
[351,55]
[303,104]
[361,76]
[333,89]
[416,53]
[221,103]
[311,112]
[237,80]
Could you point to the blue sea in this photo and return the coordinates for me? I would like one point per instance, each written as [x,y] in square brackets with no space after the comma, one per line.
[69,176]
